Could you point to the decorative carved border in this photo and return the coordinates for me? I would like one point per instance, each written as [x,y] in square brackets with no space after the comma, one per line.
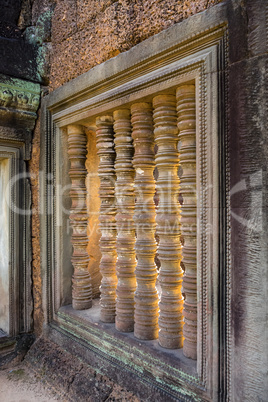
[226,374]
[201,59]
[20,311]
[17,95]
[19,101]
[11,154]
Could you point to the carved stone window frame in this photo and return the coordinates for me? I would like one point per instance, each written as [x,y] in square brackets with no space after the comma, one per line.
[12,156]
[181,54]
[19,101]
[20,283]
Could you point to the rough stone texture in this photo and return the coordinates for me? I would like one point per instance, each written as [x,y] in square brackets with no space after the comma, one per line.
[10,10]
[39,7]
[18,59]
[24,49]
[13,350]
[249,188]
[249,227]
[86,33]
[76,381]
[25,17]
[36,273]
[19,101]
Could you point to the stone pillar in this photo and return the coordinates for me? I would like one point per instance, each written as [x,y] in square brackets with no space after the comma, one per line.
[146,296]
[187,137]
[77,150]
[93,203]
[168,225]
[125,200]
[105,147]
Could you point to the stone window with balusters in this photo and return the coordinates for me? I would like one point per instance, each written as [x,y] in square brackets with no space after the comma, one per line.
[140,141]
[130,222]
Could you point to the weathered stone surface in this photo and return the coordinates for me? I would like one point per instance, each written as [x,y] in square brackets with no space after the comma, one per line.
[39,7]
[74,379]
[9,30]
[19,101]
[10,11]
[25,17]
[13,350]
[88,10]
[22,95]
[237,28]
[249,226]
[64,21]
[106,28]
[43,26]
[21,47]
[18,59]
[38,314]
[257,14]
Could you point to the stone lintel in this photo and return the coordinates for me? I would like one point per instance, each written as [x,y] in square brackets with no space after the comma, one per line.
[19,101]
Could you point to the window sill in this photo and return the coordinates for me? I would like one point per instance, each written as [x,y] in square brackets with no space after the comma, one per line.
[166,369]
[90,318]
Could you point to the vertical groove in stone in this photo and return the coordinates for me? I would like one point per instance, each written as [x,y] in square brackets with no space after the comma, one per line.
[125,200]
[187,136]
[105,147]
[77,150]
[168,224]
[146,296]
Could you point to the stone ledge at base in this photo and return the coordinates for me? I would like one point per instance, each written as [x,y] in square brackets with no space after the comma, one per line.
[73,379]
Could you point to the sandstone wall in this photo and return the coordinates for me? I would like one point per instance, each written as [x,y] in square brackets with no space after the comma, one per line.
[36,270]
[87,32]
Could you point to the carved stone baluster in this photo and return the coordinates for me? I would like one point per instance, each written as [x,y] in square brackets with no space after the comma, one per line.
[125,199]
[146,296]
[93,203]
[187,137]
[168,225]
[77,150]
[105,147]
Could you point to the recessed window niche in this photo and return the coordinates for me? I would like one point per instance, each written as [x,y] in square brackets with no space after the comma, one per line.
[100,133]
[19,100]
[15,267]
